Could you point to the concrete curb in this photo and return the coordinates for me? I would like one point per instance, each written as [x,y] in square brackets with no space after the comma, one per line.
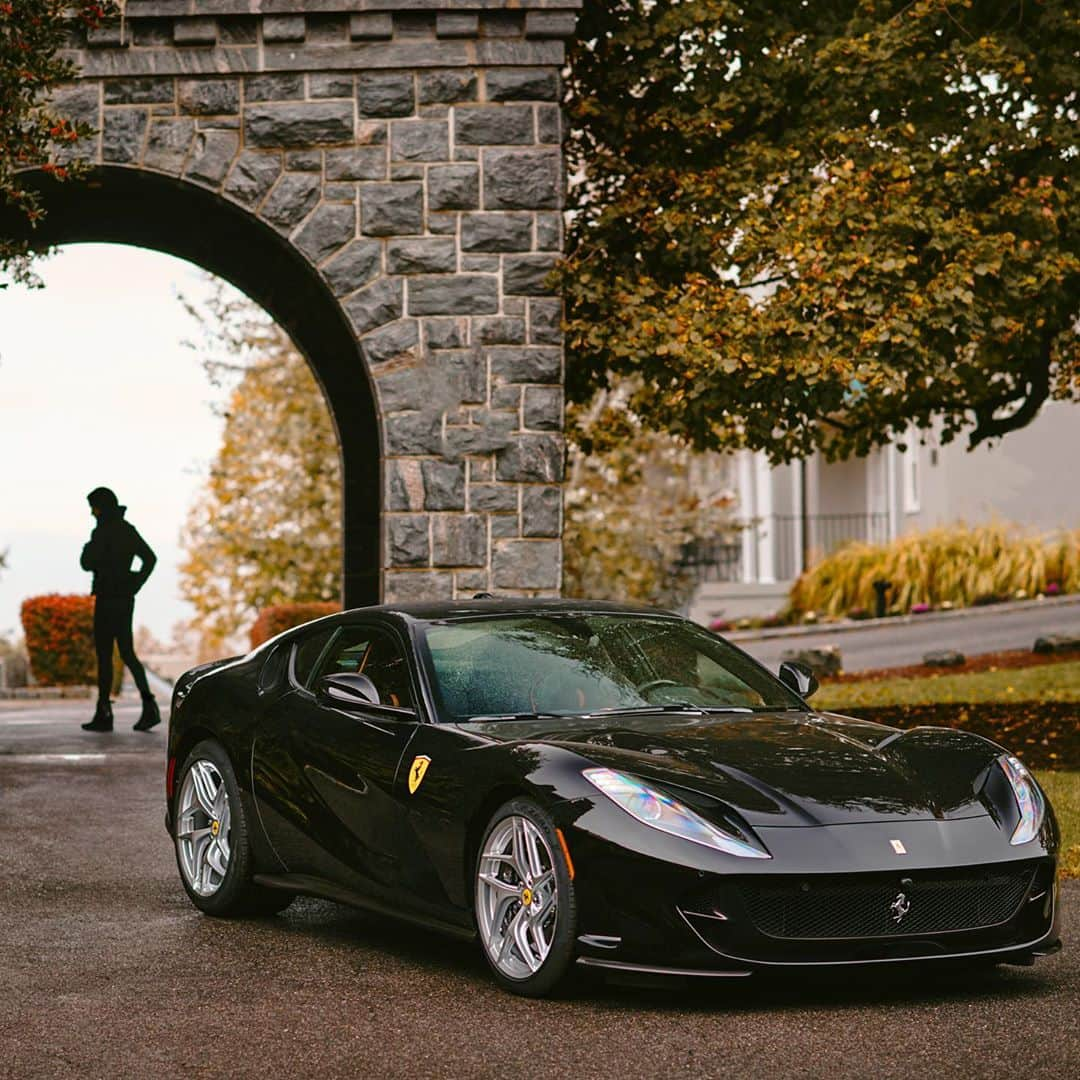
[847,625]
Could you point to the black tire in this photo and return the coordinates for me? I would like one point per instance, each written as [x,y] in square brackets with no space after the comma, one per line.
[560,958]
[236,894]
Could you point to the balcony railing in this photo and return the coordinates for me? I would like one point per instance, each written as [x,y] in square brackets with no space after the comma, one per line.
[721,558]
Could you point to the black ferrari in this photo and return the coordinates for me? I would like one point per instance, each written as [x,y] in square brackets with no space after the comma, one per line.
[597,785]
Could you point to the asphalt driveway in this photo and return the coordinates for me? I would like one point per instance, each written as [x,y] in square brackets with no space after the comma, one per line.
[106,970]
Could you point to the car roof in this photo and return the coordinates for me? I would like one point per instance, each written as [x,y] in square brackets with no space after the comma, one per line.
[437,610]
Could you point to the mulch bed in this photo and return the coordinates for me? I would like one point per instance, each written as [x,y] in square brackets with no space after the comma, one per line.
[1045,735]
[1000,661]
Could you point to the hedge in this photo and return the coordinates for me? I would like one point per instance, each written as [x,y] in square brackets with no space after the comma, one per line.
[278,618]
[59,634]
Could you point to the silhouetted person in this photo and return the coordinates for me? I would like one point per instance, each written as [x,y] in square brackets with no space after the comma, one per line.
[113,545]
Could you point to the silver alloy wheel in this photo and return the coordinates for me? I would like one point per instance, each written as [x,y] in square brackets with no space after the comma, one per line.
[203,819]
[517,897]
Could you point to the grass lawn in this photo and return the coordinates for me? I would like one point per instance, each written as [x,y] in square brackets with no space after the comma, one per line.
[1049,682]
[1064,791]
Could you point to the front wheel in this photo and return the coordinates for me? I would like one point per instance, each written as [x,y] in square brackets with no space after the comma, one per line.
[210,832]
[526,910]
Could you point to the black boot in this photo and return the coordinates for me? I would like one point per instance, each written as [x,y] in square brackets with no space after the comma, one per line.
[150,716]
[102,720]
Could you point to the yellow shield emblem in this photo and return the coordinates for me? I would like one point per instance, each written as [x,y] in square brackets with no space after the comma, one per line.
[417,771]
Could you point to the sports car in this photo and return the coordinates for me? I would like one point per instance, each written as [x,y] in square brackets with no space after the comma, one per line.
[591,785]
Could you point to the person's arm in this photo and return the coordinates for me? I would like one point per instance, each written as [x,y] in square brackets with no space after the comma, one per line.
[88,559]
[149,560]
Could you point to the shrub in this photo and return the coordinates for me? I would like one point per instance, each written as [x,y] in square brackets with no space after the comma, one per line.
[959,566]
[278,618]
[60,639]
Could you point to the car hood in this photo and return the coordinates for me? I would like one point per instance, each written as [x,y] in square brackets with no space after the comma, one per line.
[783,769]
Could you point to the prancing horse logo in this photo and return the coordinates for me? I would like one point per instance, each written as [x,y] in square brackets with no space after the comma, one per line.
[900,907]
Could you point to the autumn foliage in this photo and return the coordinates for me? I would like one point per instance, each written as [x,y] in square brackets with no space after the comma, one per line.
[60,639]
[278,618]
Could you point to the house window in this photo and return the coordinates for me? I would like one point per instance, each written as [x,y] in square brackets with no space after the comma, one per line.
[910,466]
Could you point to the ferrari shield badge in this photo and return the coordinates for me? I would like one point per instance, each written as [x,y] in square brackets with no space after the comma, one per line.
[417,771]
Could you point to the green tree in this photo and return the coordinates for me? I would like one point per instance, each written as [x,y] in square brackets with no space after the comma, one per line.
[31,131]
[862,213]
[266,526]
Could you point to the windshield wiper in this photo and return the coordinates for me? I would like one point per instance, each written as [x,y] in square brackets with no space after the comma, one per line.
[672,706]
[515,716]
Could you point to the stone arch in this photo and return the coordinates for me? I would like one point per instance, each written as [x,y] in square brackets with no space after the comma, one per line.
[388,185]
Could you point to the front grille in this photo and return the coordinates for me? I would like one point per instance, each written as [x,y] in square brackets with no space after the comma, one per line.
[869,906]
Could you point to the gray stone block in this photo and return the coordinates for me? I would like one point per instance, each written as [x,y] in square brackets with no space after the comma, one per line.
[1057,643]
[492,432]
[391,209]
[78,103]
[458,294]
[522,180]
[371,132]
[208,97]
[109,35]
[453,187]
[944,658]
[419,140]
[545,322]
[532,459]
[445,333]
[479,264]
[330,227]
[444,485]
[375,305]
[403,389]
[252,176]
[343,191]
[403,587]
[353,267]
[493,125]
[283,28]
[298,125]
[506,397]
[331,86]
[446,87]
[201,30]
[494,498]
[541,510]
[549,232]
[543,408]
[291,200]
[123,133]
[405,484]
[458,540]
[407,536]
[467,372]
[304,161]
[457,24]
[396,341]
[496,232]
[157,32]
[549,124]
[527,564]
[211,156]
[362,163]
[414,433]
[278,87]
[498,330]
[528,365]
[468,582]
[522,84]
[505,525]
[371,26]
[385,94]
[527,275]
[550,24]
[168,144]
[428,255]
[406,171]
[139,91]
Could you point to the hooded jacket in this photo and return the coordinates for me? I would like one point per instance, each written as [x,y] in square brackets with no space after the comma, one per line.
[113,545]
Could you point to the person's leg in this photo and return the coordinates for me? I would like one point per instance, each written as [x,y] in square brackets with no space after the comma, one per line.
[126,644]
[103,647]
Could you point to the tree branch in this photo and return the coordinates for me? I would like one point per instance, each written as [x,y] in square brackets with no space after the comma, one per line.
[1035,392]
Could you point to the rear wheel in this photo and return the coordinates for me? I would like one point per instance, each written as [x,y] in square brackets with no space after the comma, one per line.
[526,910]
[210,834]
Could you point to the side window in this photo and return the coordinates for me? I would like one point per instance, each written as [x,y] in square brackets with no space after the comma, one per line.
[306,655]
[273,670]
[375,653]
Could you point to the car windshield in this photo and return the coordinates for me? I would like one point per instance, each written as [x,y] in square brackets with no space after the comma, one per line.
[572,663]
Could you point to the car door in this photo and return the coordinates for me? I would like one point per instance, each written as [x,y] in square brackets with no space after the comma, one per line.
[324,772]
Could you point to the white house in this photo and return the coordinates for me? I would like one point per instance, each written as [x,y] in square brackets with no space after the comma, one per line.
[792,515]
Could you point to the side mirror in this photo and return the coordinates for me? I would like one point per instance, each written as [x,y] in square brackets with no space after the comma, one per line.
[347,689]
[798,677]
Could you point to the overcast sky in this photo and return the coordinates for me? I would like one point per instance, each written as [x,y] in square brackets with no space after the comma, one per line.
[96,387]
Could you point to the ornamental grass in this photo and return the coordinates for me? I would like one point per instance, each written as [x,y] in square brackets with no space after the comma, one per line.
[957,565]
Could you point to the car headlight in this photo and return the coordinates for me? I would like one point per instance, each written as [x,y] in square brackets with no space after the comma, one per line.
[660,811]
[1029,800]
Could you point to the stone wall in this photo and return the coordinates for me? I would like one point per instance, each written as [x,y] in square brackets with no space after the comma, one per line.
[411,152]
